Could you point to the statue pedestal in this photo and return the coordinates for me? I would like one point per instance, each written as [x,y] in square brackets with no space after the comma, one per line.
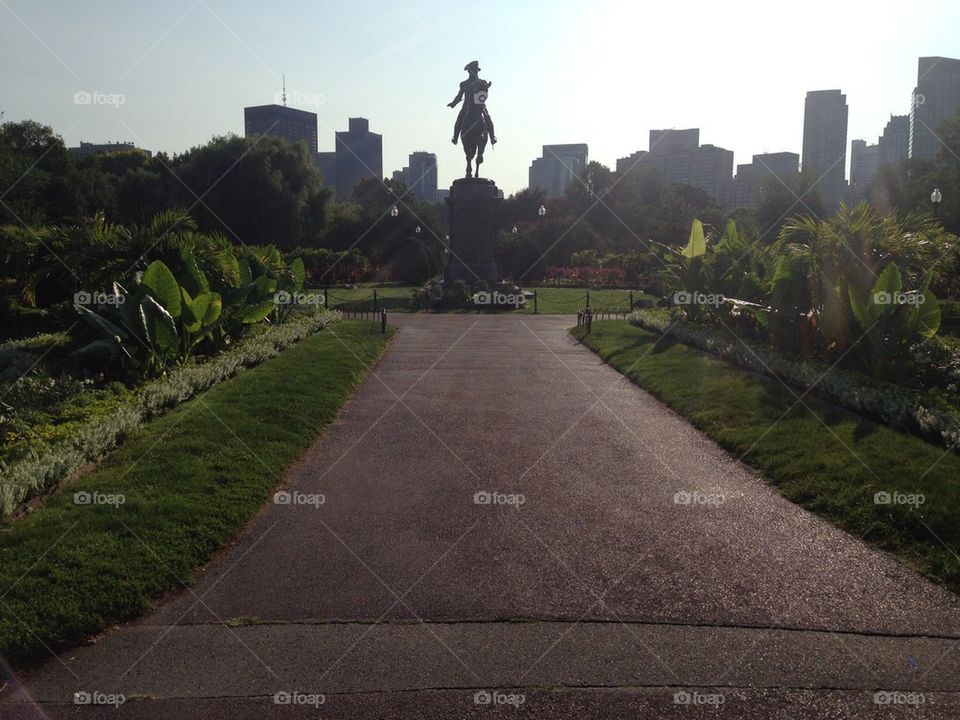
[474,211]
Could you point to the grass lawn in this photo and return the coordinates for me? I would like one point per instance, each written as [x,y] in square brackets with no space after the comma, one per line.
[566,301]
[833,465]
[392,297]
[190,480]
[551,301]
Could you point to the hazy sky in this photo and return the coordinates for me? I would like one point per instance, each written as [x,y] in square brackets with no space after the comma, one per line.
[597,71]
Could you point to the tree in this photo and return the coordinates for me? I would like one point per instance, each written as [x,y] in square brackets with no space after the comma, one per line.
[257,190]
[781,201]
[37,175]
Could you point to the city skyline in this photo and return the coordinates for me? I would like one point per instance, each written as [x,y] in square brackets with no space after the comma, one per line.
[400,71]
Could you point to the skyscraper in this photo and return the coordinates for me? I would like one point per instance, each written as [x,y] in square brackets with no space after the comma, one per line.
[557,167]
[678,157]
[86,149]
[936,99]
[747,187]
[668,141]
[359,155]
[864,163]
[420,175]
[281,121]
[327,162]
[895,141]
[825,143]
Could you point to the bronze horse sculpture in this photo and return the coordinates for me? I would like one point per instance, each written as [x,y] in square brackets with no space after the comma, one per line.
[474,126]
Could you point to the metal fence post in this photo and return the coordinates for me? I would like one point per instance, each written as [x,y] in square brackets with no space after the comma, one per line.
[536,307]
[631,301]
[326,300]
[588,298]
[383,320]
[374,299]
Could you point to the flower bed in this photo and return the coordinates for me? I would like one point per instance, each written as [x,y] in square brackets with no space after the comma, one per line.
[896,406]
[50,464]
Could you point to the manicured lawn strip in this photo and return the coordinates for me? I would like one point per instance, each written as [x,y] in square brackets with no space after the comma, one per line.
[832,468]
[390,297]
[566,301]
[76,442]
[191,479]
[551,300]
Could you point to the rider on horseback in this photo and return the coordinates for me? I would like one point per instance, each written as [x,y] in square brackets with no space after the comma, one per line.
[474,90]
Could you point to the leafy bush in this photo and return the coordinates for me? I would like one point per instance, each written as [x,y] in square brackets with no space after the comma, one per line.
[911,411]
[48,465]
[164,317]
[852,289]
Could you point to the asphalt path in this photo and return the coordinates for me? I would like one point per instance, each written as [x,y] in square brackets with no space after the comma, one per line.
[500,523]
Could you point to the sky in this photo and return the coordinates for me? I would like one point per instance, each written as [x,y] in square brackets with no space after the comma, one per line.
[170,75]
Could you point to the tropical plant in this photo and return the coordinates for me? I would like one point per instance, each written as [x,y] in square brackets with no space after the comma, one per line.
[164,316]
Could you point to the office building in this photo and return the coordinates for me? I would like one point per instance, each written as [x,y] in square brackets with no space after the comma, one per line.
[936,99]
[864,163]
[669,141]
[626,164]
[284,122]
[358,155]
[825,144]
[420,175]
[746,189]
[87,149]
[678,157]
[557,167]
[895,141]
[327,164]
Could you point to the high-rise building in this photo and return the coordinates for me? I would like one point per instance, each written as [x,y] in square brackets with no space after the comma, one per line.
[358,155]
[678,157]
[281,121]
[864,163]
[782,166]
[895,141]
[420,175]
[825,143]
[711,169]
[86,149]
[327,162]
[747,187]
[936,99]
[669,141]
[557,167]
[626,164]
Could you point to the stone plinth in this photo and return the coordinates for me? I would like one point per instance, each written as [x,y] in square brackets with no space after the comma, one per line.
[474,211]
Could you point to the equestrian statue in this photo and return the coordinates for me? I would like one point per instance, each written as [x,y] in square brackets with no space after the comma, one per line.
[473,125]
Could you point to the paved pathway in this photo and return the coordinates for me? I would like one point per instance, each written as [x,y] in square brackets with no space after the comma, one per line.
[598,596]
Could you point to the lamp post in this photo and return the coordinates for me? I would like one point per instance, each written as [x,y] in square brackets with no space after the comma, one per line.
[936,197]
[394,212]
[542,212]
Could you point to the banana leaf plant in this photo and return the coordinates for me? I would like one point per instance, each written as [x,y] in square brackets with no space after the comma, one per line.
[890,320]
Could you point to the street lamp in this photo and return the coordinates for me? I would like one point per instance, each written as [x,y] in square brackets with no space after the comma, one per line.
[542,212]
[936,197]
[417,231]
[394,212]
[515,230]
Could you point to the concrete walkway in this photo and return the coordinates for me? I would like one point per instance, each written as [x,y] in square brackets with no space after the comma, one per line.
[500,533]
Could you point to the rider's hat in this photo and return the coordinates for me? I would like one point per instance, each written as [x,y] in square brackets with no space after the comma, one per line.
[472,65]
